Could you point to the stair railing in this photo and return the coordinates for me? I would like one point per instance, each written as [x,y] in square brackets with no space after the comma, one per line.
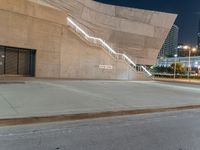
[102,43]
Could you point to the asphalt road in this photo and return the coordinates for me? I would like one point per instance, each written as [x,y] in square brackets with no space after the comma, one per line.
[160,131]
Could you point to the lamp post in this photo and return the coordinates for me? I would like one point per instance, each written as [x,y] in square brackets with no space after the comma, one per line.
[186,47]
[175,56]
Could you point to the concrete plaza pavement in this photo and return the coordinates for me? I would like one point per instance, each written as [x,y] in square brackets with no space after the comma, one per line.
[40,97]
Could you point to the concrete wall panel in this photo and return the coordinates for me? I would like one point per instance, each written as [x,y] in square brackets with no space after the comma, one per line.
[136,15]
[103,20]
[77,58]
[60,53]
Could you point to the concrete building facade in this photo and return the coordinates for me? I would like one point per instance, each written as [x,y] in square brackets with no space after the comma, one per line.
[195,61]
[41,25]
[198,37]
[138,33]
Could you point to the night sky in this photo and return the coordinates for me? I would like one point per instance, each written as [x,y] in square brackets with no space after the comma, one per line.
[188,14]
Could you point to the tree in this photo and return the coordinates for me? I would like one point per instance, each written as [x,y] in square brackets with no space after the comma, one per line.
[180,68]
[161,69]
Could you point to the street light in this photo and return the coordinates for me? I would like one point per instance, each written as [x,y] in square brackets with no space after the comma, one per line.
[186,47]
[175,56]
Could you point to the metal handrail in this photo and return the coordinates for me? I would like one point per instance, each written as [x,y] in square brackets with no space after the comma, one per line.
[102,43]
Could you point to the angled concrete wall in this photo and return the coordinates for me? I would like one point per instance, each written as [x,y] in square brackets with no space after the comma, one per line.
[82,60]
[138,33]
[28,25]
[60,53]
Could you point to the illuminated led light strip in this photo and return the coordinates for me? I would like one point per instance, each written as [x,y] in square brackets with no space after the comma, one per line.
[146,71]
[106,45]
[93,38]
[125,56]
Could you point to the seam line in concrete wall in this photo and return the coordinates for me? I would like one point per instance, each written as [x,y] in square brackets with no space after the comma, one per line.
[13,12]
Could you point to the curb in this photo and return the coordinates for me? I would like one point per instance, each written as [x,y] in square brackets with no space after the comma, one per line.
[178,81]
[83,116]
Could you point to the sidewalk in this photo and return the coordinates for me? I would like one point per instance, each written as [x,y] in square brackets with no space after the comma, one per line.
[39,98]
[192,81]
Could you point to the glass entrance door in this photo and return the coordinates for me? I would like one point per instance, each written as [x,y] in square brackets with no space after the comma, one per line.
[2,60]
[11,61]
[17,61]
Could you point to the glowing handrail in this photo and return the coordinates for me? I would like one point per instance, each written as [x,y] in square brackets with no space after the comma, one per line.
[146,70]
[105,45]
[90,37]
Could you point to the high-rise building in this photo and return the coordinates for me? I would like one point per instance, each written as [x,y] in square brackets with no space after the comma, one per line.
[198,37]
[170,45]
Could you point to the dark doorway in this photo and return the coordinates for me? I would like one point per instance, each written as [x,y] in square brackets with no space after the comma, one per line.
[17,61]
